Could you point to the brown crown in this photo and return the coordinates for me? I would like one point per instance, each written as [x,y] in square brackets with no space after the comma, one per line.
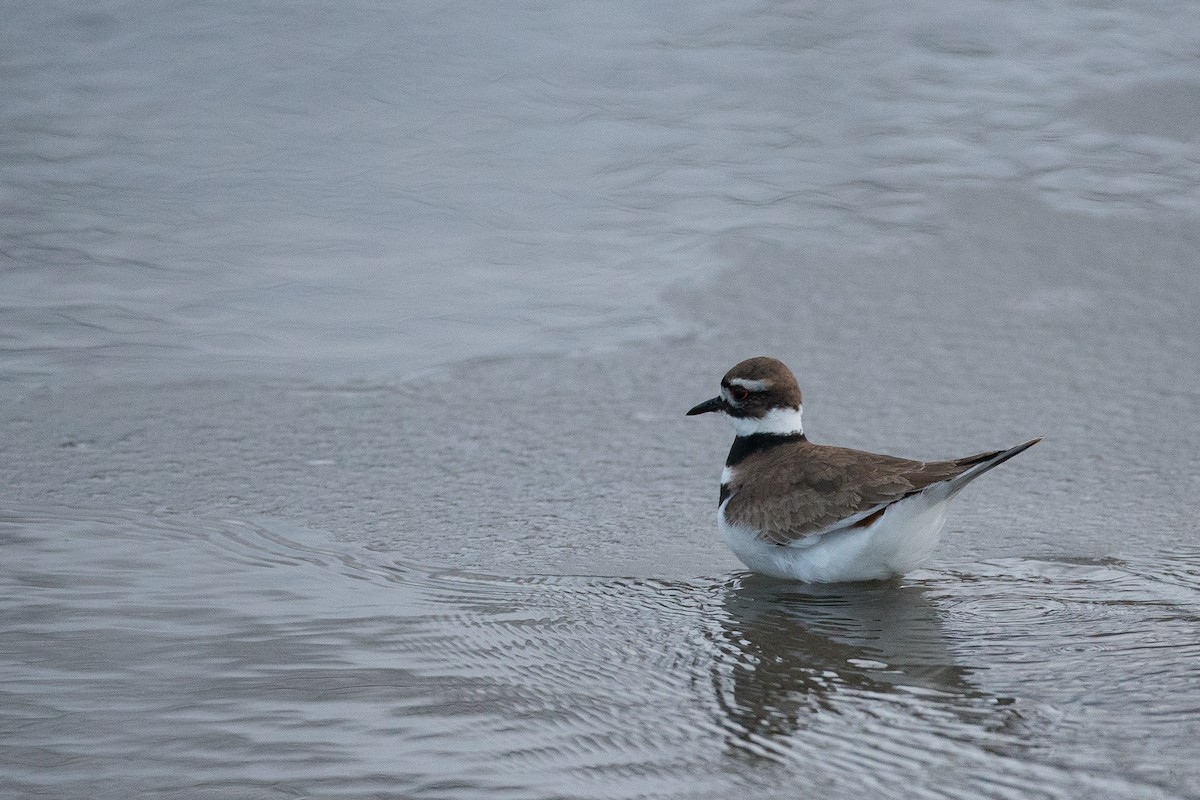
[781,389]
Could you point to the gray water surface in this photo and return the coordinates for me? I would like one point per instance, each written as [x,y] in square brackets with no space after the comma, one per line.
[344,351]
[220,659]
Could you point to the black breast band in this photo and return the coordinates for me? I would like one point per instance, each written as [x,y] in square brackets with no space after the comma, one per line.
[744,446]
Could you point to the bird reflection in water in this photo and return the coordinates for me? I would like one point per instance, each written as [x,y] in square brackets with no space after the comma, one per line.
[788,651]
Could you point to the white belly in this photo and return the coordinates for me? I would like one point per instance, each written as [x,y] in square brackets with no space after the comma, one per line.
[899,541]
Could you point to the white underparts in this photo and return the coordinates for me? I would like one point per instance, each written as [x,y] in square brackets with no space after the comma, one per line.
[777,420]
[900,540]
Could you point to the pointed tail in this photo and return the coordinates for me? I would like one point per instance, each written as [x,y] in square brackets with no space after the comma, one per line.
[985,462]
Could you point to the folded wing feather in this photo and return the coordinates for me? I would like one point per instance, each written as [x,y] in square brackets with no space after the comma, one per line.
[804,491]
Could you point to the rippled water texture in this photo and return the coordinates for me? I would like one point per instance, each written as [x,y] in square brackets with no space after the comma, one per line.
[189,187]
[215,660]
[344,350]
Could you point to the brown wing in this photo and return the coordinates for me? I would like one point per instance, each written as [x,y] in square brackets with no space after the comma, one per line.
[806,489]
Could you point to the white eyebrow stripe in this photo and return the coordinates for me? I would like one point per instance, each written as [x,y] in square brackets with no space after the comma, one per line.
[749,385]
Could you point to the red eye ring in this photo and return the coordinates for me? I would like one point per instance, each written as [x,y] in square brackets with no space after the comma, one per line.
[739,393]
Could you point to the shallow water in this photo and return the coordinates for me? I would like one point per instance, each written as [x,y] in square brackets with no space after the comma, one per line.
[371,189]
[207,659]
[345,351]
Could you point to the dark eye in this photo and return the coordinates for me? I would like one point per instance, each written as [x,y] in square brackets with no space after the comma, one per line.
[739,393]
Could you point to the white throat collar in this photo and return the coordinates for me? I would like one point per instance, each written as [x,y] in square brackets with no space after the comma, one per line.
[784,421]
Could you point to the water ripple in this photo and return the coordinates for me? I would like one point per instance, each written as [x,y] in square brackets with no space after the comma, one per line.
[262,656]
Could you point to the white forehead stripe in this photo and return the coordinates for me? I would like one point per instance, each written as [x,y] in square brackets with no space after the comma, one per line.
[749,385]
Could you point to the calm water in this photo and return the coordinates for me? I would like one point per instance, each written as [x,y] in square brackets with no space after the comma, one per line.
[343,356]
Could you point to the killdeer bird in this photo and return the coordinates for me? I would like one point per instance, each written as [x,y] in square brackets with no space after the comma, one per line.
[793,509]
